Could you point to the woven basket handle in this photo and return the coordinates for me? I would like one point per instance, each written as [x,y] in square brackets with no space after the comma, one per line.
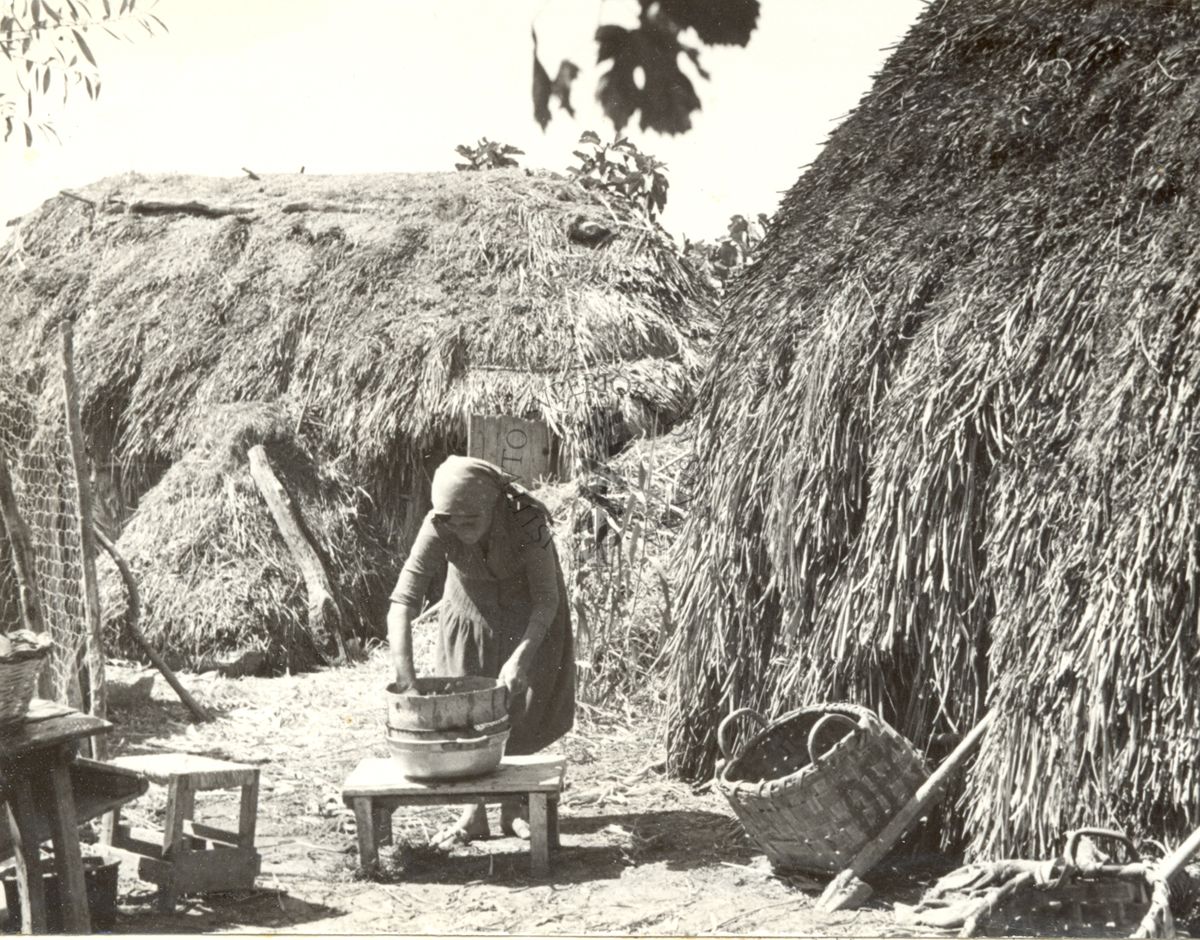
[722,743]
[1097,834]
[816,729]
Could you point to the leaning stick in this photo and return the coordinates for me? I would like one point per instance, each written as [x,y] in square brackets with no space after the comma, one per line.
[97,689]
[1158,921]
[132,621]
[323,611]
[848,890]
[1169,866]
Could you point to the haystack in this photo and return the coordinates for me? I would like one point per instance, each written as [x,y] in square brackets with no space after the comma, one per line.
[951,453]
[384,310]
[215,576]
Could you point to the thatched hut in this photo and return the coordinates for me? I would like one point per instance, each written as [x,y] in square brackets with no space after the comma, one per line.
[379,313]
[951,422]
[386,309]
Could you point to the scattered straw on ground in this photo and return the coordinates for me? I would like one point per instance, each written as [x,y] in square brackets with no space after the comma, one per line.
[641,854]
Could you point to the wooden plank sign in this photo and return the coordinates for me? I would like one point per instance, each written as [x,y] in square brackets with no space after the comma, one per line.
[515,445]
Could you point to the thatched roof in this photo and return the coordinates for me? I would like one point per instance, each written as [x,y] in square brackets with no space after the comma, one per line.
[385,308]
[951,422]
[214,575]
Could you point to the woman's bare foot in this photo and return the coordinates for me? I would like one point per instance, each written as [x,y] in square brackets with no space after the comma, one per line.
[471,826]
[513,821]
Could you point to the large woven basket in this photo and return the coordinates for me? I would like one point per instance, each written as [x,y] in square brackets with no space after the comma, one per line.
[817,784]
[18,681]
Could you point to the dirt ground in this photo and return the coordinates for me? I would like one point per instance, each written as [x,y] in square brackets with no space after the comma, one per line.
[640,854]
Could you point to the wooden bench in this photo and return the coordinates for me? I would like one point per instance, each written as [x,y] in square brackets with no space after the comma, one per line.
[180,859]
[375,789]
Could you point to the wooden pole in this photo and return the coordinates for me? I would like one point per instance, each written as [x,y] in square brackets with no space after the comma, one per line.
[848,890]
[87,540]
[322,608]
[1170,865]
[1158,921]
[132,625]
[24,560]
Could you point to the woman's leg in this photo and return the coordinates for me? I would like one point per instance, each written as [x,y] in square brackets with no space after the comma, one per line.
[514,819]
[472,826]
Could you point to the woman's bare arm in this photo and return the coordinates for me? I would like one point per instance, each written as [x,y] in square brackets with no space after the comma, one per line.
[407,598]
[399,624]
[542,573]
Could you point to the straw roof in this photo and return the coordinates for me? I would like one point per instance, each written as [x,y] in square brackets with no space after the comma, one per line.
[385,309]
[951,422]
[215,576]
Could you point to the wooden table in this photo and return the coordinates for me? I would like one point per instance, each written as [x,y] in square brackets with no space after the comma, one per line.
[376,788]
[35,772]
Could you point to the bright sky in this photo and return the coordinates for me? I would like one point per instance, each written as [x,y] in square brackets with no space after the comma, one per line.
[341,86]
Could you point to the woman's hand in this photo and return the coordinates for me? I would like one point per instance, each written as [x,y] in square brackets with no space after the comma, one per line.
[405,679]
[515,676]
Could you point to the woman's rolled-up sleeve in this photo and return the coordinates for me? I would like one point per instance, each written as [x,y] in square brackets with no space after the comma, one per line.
[427,555]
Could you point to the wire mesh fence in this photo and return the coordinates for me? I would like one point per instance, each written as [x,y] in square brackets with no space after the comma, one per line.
[35,444]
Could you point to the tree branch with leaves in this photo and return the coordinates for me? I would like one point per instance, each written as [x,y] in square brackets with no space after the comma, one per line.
[44,43]
[487,155]
[645,75]
[733,252]
[621,168]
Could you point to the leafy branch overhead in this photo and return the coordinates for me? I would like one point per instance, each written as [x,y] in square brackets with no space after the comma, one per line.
[644,73]
[544,89]
[621,168]
[44,43]
[487,155]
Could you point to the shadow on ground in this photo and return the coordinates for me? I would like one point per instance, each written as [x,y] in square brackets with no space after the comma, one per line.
[146,720]
[271,910]
[594,848]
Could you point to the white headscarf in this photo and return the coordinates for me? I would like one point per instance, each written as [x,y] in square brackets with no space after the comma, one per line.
[468,485]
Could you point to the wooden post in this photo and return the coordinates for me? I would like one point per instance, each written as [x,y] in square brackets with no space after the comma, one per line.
[322,608]
[24,562]
[539,834]
[87,540]
[248,813]
[179,804]
[68,862]
[21,814]
[364,825]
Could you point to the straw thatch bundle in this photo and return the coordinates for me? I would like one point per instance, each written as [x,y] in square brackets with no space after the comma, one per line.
[951,430]
[215,576]
[384,310]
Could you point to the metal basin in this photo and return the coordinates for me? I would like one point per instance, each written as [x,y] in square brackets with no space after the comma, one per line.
[448,756]
[447,702]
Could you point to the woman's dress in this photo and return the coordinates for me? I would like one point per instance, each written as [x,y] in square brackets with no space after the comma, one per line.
[492,592]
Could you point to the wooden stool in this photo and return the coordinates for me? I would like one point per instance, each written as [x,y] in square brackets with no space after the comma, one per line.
[184,863]
[375,788]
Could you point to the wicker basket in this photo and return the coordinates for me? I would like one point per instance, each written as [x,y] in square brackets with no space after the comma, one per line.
[18,681]
[818,784]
